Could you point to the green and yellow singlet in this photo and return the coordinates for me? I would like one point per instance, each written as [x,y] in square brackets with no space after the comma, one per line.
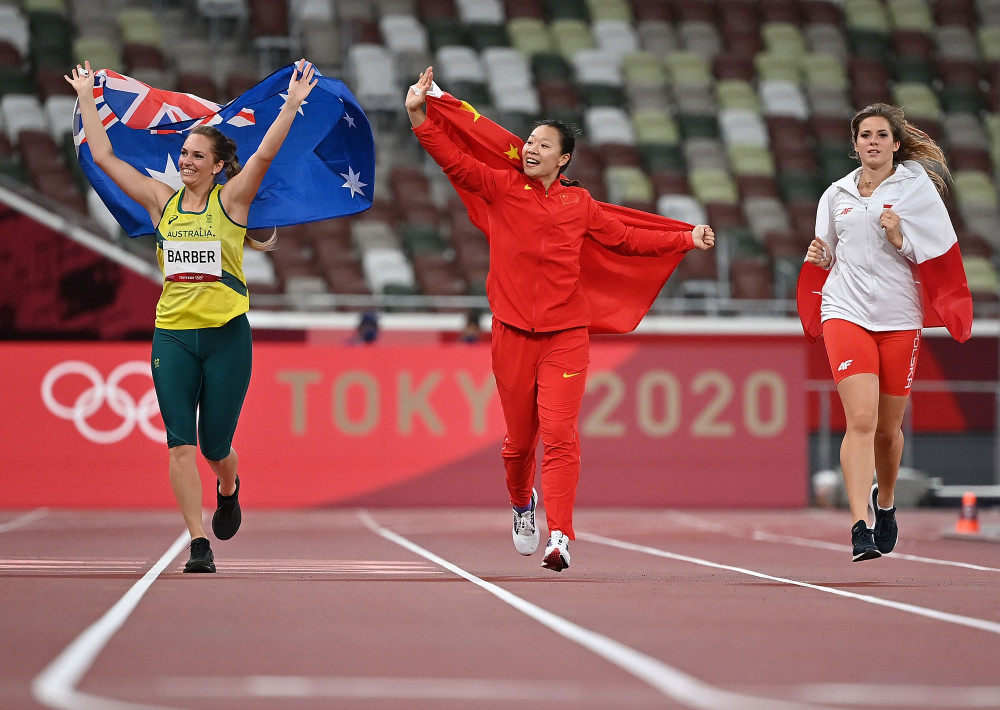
[201,257]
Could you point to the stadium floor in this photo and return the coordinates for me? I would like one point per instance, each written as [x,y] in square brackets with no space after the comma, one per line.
[419,608]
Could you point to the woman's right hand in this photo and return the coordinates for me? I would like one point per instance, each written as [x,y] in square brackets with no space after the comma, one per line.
[417,93]
[83,79]
[819,253]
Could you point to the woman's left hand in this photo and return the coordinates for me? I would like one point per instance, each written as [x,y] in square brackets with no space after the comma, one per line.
[890,223]
[704,237]
[302,81]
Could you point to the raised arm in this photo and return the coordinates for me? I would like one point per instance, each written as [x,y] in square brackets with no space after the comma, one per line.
[415,97]
[239,191]
[148,192]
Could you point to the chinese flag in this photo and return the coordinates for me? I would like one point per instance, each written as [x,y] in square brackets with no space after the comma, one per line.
[620,288]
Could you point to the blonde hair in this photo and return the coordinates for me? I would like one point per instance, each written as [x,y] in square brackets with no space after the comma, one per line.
[914,144]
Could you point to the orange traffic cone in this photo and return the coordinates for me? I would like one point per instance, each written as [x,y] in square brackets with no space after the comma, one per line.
[968,519]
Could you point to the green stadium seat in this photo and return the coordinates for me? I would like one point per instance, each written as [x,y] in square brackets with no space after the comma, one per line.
[627,183]
[551,66]
[576,10]
[736,94]
[751,160]
[713,186]
[975,189]
[485,35]
[610,10]
[989,42]
[866,15]
[777,67]
[798,186]
[655,127]
[917,100]
[687,67]
[643,69]
[911,15]
[662,158]
[698,125]
[783,39]
[569,36]
[529,35]
[823,70]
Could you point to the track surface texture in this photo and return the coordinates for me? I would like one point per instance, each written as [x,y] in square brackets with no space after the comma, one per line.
[420,608]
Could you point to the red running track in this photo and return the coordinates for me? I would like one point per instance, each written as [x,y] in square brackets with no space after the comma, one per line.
[418,609]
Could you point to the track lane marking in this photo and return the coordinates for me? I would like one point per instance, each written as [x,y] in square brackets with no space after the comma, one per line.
[588,694]
[55,686]
[822,545]
[670,681]
[971,622]
[22,520]
[699,524]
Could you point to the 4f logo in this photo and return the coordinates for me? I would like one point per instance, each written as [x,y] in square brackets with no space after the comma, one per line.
[844,365]
[846,210]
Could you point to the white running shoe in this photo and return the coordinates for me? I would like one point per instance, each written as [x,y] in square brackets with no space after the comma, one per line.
[556,552]
[525,531]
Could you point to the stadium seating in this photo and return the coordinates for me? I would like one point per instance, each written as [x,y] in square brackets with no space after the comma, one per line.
[736,110]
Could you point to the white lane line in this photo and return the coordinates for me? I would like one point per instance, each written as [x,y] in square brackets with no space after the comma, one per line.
[820,544]
[692,521]
[860,695]
[671,682]
[23,520]
[972,622]
[571,691]
[55,687]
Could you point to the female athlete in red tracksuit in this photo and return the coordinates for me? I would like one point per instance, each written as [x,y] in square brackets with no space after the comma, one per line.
[540,341]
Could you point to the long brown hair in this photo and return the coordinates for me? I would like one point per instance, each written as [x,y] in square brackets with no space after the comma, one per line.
[224,149]
[914,144]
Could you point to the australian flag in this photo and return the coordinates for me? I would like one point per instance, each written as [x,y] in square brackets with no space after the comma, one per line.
[325,168]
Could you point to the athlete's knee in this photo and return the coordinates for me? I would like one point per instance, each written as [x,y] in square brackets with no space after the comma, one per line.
[182,451]
[216,452]
[887,438]
[513,449]
[861,419]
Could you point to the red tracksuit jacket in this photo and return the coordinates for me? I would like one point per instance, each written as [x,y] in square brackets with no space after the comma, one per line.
[535,238]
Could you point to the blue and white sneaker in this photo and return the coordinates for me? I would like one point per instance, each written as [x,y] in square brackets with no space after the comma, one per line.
[556,552]
[525,531]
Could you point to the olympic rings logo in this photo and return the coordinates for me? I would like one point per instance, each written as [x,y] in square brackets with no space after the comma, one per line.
[100,392]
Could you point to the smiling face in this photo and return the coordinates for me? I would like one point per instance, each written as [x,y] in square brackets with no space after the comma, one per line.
[543,154]
[875,144]
[197,163]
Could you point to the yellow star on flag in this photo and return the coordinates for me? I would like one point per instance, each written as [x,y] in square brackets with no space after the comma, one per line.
[466,106]
[512,153]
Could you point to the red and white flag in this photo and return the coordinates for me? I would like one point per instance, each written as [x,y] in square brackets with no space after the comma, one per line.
[924,220]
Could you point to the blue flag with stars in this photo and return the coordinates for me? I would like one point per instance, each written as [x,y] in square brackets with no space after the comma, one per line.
[325,167]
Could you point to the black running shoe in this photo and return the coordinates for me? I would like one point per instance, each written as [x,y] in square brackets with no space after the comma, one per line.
[228,516]
[885,529]
[202,559]
[864,543]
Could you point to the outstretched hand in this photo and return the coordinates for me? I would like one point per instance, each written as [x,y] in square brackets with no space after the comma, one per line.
[704,237]
[82,80]
[302,81]
[417,93]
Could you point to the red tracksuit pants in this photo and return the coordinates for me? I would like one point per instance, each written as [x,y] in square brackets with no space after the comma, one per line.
[541,378]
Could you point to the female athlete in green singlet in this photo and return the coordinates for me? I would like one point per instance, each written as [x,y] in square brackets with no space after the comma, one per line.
[201,352]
